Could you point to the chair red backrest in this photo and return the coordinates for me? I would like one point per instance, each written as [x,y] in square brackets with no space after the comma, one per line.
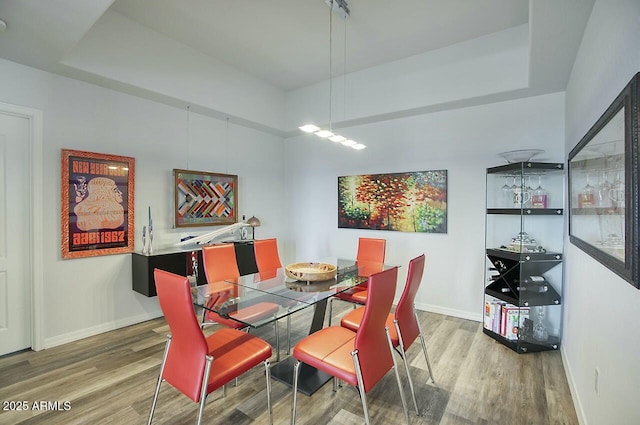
[188,349]
[266,252]
[405,309]
[371,250]
[220,262]
[371,339]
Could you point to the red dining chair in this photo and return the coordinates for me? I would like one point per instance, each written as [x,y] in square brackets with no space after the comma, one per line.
[197,365]
[266,251]
[361,358]
[220,264]
[268,262]
[404,326]
[370,259]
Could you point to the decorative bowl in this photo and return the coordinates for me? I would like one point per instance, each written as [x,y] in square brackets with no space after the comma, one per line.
[521,155]
[311,272]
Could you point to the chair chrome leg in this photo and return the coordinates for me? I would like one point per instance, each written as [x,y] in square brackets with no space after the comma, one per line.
[330,310]
[363,397]
[275,329]
[403,354]
[296,372]
[335,384]
[289,335]
[395,369]
[424,347]
[268,376]
[203,390]
[155,396]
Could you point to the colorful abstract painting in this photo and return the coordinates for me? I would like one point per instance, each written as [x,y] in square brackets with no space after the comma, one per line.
[404,202]
[205,199]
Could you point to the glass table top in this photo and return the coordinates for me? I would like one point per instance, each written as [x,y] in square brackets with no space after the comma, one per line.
[275,293]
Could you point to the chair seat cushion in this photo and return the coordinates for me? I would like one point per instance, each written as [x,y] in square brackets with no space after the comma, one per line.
[248,314]
[349,295]
[352,321]
[360,297]
[329,350]
[234,352]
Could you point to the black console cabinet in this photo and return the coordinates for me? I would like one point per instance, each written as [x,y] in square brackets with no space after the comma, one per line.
[180,262]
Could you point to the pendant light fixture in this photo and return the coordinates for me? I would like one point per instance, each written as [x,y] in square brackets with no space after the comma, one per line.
[341,9]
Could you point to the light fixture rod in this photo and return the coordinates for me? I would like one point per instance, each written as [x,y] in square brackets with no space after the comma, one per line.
[340,7]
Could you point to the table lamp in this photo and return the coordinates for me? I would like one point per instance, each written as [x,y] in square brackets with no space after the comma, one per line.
[253,222]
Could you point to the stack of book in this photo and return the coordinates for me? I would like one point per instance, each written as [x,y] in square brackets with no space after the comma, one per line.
[504,319]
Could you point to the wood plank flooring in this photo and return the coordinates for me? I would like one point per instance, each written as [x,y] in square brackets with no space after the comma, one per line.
[110,379]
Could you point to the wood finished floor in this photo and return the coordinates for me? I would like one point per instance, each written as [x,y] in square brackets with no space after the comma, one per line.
[110,379]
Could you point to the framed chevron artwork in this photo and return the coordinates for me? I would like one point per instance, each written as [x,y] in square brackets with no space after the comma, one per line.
[205,199]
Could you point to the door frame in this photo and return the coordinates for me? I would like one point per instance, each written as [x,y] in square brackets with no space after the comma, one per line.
[36,238]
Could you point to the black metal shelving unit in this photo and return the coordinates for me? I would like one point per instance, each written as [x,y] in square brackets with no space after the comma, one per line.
[517,281]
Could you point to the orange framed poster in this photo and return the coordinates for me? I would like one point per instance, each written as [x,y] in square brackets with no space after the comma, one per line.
[97,204]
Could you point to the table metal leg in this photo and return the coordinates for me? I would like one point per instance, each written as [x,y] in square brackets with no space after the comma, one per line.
[310,379]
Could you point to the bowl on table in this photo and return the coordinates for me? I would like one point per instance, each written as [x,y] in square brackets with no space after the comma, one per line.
[311,272]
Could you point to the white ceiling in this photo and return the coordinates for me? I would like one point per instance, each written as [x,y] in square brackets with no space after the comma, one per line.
[285,43]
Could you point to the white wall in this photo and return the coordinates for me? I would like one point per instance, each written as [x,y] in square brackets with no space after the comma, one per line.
[601,309]
[464,142]
[90,295]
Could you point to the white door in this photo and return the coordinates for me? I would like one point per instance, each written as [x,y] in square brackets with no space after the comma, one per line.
[15,302]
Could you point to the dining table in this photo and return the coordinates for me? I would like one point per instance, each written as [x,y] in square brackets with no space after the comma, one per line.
[231,297]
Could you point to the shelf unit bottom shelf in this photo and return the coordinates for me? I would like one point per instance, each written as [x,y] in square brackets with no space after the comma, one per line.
[522,346]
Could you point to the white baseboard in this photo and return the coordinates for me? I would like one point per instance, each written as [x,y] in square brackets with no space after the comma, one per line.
[95,330]
[461,314]
[572,388]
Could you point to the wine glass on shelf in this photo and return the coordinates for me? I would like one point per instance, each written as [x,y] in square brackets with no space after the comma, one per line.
[506,191]
[527,191]
[516,192]
[539,195]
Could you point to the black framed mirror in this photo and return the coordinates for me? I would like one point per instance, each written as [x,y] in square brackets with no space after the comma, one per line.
[603,187]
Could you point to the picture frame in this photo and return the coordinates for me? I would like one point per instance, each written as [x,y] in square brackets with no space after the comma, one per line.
[97,204]
[603,187]
[407,202]
[204,199]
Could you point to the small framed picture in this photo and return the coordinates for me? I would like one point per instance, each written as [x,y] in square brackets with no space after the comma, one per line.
[205,199]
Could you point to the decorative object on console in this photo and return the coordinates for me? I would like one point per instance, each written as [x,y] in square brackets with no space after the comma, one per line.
[406,202]
[243,230]
[253,222]
[210,236]
[205,199]
[144,239]
[97,204]
[150,247]
[603,187]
